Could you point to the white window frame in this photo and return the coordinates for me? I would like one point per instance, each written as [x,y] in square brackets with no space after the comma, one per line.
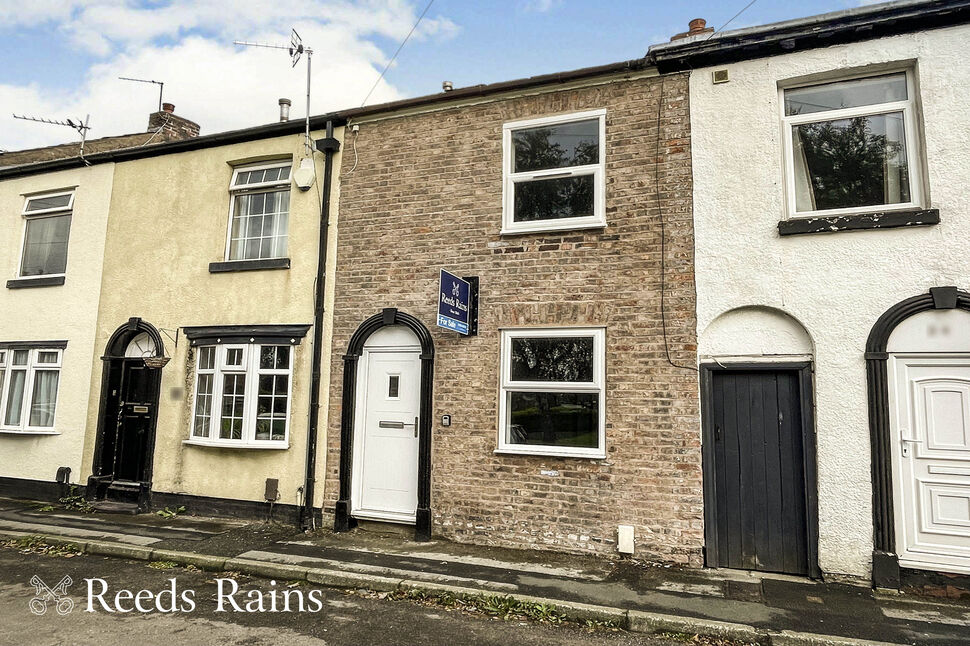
[37,215]
[598,386]
[250,368]
[910,125]
[32,366]
[511,178]
[260,187]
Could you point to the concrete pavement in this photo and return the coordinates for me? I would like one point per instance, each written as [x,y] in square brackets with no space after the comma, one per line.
[779,610]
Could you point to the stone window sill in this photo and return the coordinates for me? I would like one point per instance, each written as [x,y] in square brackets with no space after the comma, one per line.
[860,222]
[248,265]
[43,281]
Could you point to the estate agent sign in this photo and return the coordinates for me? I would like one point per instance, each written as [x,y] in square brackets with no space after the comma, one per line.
[454,303]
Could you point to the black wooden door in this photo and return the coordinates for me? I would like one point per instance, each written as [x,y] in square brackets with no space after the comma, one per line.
[135,414]
[758,475]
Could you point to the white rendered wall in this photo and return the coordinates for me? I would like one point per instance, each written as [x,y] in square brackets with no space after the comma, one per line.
[836,285]
[66,312]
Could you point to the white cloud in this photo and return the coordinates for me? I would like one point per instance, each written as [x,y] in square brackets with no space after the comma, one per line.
[541,6]
[188,45]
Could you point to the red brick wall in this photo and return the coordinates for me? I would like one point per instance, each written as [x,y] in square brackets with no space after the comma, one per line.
[427,193]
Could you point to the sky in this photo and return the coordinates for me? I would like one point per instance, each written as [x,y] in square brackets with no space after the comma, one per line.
[61,59]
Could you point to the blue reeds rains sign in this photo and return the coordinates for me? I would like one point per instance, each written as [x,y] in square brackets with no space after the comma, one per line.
[454,303]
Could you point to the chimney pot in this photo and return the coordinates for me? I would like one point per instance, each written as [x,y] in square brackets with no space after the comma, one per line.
[696,27]
[697,24]
[285,109]
[168,107]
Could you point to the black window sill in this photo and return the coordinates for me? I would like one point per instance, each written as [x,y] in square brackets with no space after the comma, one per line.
[21,283]
[860,222]
[248,265]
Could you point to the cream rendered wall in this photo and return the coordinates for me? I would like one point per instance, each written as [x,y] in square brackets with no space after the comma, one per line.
[65,312]
[835,285]
[168,221]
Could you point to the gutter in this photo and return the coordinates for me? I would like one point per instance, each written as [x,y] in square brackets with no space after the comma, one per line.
[328,146]
[836,28]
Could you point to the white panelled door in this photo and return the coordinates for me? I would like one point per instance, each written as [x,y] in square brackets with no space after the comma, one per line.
[385,479]
[931,463]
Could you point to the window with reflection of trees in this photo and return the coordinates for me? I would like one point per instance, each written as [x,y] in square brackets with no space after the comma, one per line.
[849,144]
[552,385]
[555,172]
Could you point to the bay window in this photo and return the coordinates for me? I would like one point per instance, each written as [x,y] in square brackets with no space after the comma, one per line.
[29,377]
[552,399]
[242,395]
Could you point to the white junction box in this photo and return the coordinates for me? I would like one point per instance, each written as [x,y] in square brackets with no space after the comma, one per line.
[624,539]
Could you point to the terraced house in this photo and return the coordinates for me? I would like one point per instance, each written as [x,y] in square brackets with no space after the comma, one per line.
[55,214]
[191,277]
[831,223]
[707,307]
[568,419]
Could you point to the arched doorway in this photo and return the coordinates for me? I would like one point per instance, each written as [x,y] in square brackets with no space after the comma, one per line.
[758,445]
[918,373]
[122,469]
[385,426]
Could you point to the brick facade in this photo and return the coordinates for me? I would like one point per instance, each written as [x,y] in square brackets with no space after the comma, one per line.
[427,193]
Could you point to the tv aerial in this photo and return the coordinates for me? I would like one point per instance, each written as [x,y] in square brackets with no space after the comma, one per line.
[296,49]
[81,127]
[160,84]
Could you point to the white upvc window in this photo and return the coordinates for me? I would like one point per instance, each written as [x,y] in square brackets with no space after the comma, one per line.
[47,228]
[554,173]
[28,389]
[259,212]
[851,146]
[242,396]
[553,392]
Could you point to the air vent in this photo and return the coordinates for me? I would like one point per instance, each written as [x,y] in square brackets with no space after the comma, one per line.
[720,76]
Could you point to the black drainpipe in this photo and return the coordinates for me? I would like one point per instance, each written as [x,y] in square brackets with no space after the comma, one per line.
[328,147]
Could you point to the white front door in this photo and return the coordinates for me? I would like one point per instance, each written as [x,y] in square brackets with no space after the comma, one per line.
[930,422]
[385,478]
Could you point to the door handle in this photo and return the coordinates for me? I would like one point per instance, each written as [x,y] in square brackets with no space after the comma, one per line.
[386,424]
[904,443]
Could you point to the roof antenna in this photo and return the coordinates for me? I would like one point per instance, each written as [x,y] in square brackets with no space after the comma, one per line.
[82,128]
[160,84]
[296,48]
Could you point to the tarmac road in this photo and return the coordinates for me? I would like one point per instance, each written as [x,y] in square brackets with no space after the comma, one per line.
[340,619]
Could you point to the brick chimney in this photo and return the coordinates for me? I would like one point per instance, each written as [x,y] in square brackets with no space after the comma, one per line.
[695,27]
[171,127]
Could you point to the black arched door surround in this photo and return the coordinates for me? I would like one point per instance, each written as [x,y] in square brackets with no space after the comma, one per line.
[885,562]
[343,514]
[125,444]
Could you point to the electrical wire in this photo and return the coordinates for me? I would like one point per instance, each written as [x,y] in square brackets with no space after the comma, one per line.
[721,28]
[356,132]
[399,48]
[663,239]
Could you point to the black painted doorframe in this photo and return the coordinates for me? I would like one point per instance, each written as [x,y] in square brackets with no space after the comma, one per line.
[807,404]
[112,361]
[343,513]
[885,562]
